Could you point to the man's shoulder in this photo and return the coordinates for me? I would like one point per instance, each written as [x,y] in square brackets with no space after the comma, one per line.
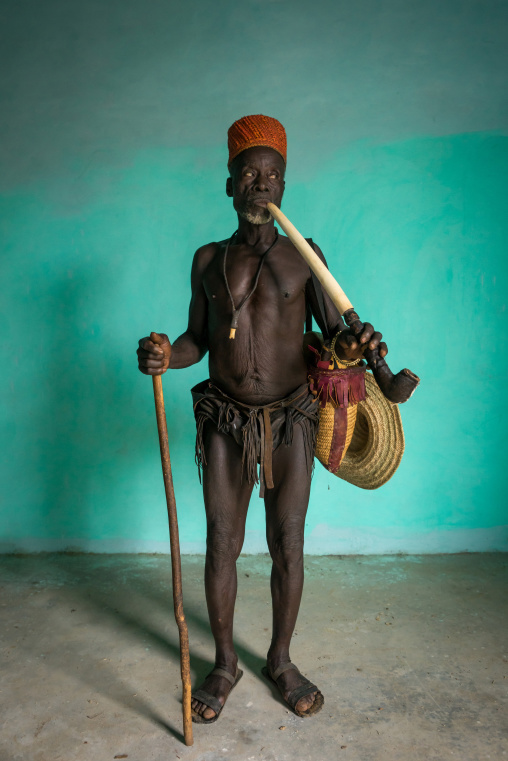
[290,246]
[205,254]
[290,250]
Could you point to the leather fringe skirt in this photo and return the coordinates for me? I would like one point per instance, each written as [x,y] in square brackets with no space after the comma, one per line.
[258,430]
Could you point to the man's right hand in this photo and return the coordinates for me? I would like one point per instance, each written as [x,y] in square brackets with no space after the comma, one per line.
[154,354]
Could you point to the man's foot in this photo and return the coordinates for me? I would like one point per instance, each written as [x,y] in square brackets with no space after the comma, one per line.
[208,701]
[298,692]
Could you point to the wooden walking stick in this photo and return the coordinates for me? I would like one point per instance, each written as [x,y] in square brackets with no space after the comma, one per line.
[175,558]
[397,388]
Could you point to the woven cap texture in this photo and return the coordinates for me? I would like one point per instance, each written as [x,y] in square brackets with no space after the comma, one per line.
[256,130]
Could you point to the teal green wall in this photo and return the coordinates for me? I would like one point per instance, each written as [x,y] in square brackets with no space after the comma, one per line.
[113,138]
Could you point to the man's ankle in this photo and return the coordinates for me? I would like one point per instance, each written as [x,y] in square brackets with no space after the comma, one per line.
[227,661]
[274,657]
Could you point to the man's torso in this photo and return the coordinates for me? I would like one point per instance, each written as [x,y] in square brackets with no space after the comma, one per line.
[265,360]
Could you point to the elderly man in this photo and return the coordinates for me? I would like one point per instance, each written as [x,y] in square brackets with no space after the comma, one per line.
[250,295]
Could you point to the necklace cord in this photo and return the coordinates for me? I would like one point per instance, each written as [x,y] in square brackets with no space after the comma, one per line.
[237,312]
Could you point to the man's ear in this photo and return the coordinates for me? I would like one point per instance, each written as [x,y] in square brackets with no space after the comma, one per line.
[229,187]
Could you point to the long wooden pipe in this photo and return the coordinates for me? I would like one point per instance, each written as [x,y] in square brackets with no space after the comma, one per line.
[176,565]
[397,388]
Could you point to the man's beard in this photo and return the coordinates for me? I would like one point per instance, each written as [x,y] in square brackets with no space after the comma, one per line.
[256,215]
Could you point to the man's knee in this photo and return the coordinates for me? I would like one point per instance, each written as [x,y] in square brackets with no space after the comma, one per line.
[223,546]
[286,548]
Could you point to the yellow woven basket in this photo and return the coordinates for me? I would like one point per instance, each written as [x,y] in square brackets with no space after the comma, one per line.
[374,440]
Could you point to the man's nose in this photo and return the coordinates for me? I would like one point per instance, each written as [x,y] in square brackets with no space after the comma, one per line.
[261,183]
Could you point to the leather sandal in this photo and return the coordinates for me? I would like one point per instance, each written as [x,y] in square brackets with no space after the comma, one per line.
[306,688]
[212,702]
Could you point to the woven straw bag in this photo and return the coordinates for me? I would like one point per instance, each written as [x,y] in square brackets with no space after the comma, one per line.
[360,437]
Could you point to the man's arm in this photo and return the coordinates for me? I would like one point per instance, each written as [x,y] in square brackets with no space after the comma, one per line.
[156,354]
[348,346]
[330,322]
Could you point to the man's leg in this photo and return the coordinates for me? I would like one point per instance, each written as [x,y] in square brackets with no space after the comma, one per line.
[286,508]
[226,504]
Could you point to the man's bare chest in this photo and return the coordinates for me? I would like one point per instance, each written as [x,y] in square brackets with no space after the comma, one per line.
[278,278]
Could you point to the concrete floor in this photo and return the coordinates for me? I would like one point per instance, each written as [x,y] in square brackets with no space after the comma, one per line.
[411,654]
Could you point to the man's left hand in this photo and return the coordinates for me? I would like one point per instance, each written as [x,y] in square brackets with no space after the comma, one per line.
[350,347]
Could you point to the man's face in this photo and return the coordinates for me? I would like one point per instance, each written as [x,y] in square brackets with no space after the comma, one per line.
[257,176]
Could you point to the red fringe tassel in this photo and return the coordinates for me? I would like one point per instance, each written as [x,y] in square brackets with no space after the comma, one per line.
[341,387]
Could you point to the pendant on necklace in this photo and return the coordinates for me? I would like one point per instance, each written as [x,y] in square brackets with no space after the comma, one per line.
[234,323]
[236,312]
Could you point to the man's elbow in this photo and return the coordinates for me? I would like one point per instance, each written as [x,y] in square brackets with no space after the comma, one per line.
[201,344]
[203,348]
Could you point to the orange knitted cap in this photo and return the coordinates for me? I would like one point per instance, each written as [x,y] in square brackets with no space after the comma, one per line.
[258,130]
